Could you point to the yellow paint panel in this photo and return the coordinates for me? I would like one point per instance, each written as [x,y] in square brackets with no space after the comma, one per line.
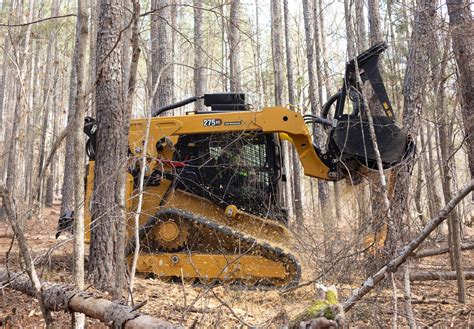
[210,266]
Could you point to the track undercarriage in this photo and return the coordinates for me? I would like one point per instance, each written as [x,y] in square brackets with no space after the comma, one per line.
[181,245]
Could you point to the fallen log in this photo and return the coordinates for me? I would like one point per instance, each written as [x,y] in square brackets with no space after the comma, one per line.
[440,251]
[439,275]
[62,297]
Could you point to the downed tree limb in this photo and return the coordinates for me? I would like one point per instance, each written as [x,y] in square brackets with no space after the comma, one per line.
[392,265]
[440,275]
[62,297]
[443,250]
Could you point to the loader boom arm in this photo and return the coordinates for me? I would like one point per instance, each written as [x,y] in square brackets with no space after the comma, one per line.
[290,126]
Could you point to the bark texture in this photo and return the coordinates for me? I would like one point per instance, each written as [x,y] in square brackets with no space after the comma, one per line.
[439,276]
[161,53]
[298,198]
[107,205]
[67,201]
[439,251]
[14,148]
[199,82]
[234,45]
[462,35]
[413,92]
[79,153]
[66,298]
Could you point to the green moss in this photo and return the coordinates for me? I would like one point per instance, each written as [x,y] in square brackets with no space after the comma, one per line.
[328,313]
[331,297]
[316,308]
[323,307]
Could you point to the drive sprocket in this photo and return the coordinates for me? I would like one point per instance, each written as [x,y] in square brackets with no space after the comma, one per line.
[164,233]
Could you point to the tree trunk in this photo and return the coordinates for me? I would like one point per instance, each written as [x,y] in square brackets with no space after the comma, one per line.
[234,47]
[318,135]
[4,101]
[199,81]
[11,181]
[448,171]
[67,201]
[107,205]
[49,193]
[223,27]
[92,55]
[161,53]
[298,199]
[434,201]
[46,111]
[361,32]
[350,31]
[460,22]
[413,92]
[130,96]
[279,83]
[33,114]
[79,152]
[328,86]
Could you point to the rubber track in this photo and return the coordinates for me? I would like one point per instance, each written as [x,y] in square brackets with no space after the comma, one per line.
[272,252]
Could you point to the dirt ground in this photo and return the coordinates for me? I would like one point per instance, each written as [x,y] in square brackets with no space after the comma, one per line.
[225,307]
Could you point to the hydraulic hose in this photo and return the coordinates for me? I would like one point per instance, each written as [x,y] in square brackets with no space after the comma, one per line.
[176,105]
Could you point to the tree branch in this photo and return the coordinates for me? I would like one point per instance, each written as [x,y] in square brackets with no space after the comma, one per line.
[393,264]
[37,21]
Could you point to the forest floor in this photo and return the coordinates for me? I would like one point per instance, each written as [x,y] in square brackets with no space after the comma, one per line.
[226,307]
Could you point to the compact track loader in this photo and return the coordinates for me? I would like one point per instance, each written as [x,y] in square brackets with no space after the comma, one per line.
[212,205]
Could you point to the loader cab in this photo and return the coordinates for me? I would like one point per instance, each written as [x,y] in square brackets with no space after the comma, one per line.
[233,168]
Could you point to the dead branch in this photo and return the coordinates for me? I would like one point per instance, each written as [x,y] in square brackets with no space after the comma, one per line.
[61,297]
[393,264]
[439,275]
[440,251]
[431,301]
[37,21]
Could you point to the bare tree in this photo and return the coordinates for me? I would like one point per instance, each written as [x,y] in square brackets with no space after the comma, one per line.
[298,197]
[67,201]
[162,52]
[278,51]
[19,105]
[47,90]
[413,93]
[234,47]
[79,153]
[361,33]
[107,206]
[199,81]
[318,135]
[49,193]
[460,22]
[447,166]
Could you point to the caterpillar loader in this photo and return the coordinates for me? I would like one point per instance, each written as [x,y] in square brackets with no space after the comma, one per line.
[211,200]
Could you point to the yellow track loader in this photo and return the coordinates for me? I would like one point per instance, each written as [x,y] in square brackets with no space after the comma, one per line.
[212,208]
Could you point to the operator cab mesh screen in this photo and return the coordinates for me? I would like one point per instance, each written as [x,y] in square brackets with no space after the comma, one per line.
[232,168]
